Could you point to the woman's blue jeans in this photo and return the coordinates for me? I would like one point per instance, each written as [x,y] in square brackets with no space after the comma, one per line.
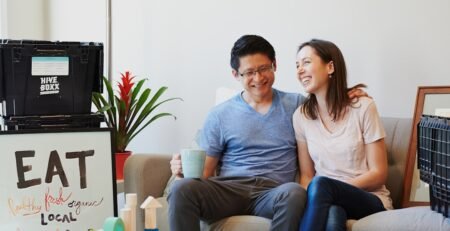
[330,202]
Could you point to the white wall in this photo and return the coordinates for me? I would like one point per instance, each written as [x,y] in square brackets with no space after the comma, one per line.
[76,20]
[392,46]
[23,19]
[3,18]
[67,20]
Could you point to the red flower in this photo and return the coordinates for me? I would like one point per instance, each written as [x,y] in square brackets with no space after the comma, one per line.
[125,88]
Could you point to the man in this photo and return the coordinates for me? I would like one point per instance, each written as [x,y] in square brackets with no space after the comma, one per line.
[251,142]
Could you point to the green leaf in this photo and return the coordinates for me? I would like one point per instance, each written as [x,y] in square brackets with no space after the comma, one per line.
[109,91]
[96,101]
[132,134]
[145,112]
[122,115]
[136,110]
[136,91]
[104,109]
[111,101]
[100,102]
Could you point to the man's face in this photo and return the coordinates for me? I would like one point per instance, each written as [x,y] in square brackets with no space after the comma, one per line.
[256,74]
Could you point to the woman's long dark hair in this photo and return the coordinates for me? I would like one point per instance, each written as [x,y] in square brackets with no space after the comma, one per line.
[337,98]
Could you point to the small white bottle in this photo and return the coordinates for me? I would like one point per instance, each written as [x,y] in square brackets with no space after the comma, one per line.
[131,203]
[125,214]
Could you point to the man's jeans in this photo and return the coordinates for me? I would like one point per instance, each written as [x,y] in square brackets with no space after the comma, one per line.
[339,200]
[218,197]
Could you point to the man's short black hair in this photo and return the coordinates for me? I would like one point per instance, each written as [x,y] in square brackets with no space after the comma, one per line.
[249,45]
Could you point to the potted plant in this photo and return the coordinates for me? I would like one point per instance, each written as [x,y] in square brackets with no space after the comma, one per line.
[128,112]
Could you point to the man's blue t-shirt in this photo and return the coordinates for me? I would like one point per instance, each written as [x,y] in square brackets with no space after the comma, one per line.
[251,144]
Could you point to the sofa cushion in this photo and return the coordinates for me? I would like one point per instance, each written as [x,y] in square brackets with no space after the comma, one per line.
[414,218]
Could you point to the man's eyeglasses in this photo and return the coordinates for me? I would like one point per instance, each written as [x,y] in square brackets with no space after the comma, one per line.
[261,70]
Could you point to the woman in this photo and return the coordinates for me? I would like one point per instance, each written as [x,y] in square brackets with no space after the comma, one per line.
[342,155]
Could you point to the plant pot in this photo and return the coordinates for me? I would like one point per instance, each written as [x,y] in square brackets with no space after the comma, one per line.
[121,157]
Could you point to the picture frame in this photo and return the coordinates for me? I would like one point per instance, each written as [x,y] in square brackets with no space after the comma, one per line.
[428,99]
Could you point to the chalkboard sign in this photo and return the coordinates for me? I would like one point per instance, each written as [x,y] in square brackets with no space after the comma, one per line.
[56,180]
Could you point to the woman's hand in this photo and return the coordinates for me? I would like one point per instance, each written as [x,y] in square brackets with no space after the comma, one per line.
[378,167]
[356,93]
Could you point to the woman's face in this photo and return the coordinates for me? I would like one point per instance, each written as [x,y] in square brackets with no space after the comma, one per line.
[312,72]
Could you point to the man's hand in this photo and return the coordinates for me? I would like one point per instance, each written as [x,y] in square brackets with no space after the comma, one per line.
[175,165]
[356,92]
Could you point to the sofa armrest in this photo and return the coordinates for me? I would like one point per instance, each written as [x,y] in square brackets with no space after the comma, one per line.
[146,175]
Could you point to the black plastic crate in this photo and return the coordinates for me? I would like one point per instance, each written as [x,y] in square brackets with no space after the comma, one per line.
[425,147]
[49,78]
[440,200]
[55,121]
[433,152]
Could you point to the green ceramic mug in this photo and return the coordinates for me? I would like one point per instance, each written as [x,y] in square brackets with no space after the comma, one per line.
[192,162]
